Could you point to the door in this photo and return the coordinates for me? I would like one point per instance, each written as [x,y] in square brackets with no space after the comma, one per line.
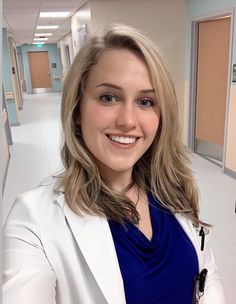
[212,80]
[39,71]
[15,76]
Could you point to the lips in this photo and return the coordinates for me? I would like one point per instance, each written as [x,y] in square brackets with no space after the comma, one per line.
[126,140]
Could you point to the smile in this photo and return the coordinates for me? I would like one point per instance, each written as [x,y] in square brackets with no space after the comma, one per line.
[122,139]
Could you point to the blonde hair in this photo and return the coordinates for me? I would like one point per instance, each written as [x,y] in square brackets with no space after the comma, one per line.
[163,169]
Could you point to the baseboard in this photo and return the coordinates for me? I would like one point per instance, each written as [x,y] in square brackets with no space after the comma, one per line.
[230,172]
[15,124]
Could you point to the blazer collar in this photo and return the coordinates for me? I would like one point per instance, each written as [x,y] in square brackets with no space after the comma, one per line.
[94,239]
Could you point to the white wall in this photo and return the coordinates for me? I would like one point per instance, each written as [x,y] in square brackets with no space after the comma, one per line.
[61,44]
[4,150]
[80,18]
[163,21]
[230,161]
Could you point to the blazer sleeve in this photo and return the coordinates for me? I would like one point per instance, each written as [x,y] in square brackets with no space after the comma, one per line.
[213,288]
[27,275]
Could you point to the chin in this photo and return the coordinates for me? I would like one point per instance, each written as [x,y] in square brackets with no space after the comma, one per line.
[120,167]
[115,164]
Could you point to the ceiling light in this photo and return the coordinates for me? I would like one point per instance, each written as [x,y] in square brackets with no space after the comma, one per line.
[38,39]
[43,34]
[43,27]
[38,43]
[54,14]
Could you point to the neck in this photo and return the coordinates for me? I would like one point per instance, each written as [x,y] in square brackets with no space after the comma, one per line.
[117,180]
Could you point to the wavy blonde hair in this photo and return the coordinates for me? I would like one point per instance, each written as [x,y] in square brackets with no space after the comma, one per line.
[163,169]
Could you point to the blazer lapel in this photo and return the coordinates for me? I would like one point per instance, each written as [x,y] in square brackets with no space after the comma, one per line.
[191,232]
[94,238]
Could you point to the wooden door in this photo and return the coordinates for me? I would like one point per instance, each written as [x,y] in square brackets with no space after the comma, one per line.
[212,81]
[39,70]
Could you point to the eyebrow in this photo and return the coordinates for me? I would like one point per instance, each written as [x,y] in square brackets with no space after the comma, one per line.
[114,86]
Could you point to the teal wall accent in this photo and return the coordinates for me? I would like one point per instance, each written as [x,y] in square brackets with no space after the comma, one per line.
[53,58]
[200,8]
[7,80]
[11,109]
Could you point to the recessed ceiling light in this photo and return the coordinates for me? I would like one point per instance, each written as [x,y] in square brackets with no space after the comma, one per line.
[44,27]
[38,39]
[54,14]
[43,34]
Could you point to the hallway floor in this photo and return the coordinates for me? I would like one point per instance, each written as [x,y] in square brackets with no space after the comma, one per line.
[35,155]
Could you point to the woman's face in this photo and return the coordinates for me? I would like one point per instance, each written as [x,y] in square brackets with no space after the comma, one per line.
[119,115]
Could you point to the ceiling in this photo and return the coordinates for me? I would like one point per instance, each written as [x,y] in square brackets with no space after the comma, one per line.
[21,17]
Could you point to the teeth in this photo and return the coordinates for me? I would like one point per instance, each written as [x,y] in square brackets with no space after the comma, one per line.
[123,140]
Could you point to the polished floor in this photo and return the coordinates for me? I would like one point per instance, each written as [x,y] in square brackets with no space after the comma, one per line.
[35,155]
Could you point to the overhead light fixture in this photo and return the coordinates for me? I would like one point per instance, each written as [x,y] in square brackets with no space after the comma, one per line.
[44,27]
[39,39]
[43,34]
[38,43]
[54,14]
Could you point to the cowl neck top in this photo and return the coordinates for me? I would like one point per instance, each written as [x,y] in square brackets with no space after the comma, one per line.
[157,271]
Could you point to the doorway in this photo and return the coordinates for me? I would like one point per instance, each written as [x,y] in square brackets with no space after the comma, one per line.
[67,52]
[40,72]
[210,85]
[19,91]
[21,71]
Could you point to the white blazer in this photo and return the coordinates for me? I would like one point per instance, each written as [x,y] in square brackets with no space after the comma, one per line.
[53,256]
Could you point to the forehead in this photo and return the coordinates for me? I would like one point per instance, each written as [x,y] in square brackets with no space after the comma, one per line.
[118,54]
[118,65]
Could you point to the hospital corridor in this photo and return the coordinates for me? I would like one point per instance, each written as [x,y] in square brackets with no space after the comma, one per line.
[198,41]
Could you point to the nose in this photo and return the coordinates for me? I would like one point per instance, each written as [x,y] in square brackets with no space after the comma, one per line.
[127,116]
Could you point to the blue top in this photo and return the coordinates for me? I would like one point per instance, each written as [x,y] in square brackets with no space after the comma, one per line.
[160,271]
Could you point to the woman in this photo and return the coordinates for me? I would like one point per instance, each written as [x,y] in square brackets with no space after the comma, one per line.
[121,224]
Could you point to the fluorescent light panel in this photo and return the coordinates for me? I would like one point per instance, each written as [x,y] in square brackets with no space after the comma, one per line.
[44,27]
[54,14]
[38,42]
[39,39]
[43,34]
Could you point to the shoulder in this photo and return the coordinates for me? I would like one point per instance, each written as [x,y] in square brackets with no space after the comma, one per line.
[36,202]
[45,191]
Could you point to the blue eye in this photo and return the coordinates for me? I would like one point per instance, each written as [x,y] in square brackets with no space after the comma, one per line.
[146,103]
[108,98]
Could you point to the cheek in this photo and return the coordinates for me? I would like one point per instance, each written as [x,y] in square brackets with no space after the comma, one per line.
[87,114]
[96,117]
[152,124]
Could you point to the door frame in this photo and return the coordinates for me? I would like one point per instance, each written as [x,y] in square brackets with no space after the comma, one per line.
[193,76]
[40,90]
